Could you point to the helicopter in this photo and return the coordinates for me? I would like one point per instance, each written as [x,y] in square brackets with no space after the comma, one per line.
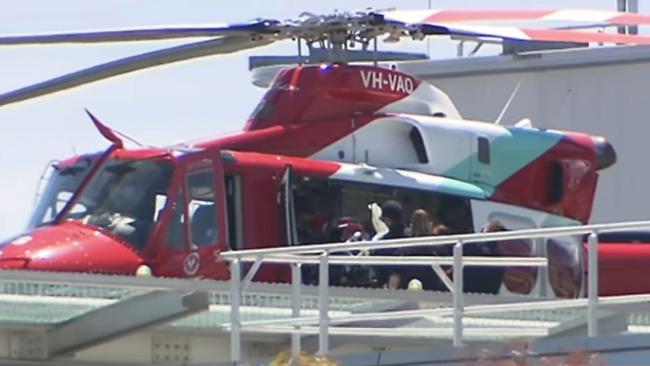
[324,141]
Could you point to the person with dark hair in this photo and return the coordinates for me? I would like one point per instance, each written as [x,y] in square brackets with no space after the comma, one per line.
[393,216]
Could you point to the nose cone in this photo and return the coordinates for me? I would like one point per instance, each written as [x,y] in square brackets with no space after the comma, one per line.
[69,247]
[605,153]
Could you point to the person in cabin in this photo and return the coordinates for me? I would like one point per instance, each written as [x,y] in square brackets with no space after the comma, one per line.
[421,225]
[483,279]
[392,218]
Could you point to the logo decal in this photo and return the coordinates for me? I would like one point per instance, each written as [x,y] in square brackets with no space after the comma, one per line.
[191,264]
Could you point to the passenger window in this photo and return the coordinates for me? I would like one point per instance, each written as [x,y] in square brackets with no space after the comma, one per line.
[418,144]
[519,280]
[484,150]
[564,269]
[202,208]
[175,234]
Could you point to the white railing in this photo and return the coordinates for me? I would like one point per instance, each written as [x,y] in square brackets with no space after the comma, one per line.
[295,257]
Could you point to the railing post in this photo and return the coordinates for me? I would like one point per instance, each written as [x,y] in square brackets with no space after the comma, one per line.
[235,301]
[592,278]
[323,304]
[295,303]
[458,294]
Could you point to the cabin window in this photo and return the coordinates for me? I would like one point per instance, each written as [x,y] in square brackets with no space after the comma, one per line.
[418,145]
[564,269]
[202,208]
[484,150]
[518,280]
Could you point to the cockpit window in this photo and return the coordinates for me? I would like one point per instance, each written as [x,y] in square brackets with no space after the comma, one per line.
[62,182]
[124,197]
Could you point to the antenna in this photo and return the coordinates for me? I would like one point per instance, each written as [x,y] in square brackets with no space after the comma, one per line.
[505,107]
[299,51]
[127,137]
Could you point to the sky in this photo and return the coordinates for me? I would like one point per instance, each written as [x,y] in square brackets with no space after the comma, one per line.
[161,106]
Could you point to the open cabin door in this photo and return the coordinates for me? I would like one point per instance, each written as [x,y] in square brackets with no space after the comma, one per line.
[287,187]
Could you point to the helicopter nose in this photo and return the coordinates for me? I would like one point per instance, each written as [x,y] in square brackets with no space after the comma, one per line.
[605,153]
[69,247]
[8,259]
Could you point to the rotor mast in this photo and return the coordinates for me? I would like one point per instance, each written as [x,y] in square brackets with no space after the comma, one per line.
[333,34]
[338,42]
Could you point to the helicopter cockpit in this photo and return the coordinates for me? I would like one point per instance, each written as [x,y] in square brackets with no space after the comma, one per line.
[123,209]
[124,197]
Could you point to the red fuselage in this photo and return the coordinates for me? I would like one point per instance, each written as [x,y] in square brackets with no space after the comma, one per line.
[237,180]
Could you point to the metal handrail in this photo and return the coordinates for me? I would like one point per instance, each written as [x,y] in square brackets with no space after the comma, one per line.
[293,255]
[406,260]
[438,240]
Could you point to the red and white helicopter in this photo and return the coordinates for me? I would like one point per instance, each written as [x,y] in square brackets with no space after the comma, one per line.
[325,141]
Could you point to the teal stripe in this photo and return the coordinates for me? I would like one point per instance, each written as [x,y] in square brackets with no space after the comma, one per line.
[458,188]
[508,154]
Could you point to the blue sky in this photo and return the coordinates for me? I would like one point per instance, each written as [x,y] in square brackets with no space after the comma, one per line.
[160,106]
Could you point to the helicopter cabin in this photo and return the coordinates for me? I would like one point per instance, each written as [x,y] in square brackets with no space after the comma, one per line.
[187,205]
[274,200]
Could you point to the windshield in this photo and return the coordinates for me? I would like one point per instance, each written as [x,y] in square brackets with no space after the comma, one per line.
[61,184]
[125,198]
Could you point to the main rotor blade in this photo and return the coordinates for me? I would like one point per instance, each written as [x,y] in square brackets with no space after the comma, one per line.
[134,63]
[409,20]
[144,34]
[433,16]
[532,34]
